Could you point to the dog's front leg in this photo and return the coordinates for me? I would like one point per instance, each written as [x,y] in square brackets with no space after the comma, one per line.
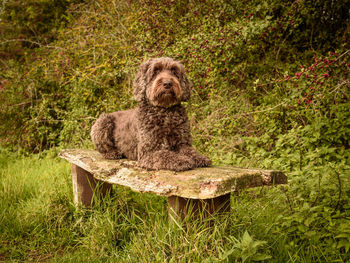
[167,160]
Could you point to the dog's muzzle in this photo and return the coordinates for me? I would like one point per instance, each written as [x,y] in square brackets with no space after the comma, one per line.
[167,84]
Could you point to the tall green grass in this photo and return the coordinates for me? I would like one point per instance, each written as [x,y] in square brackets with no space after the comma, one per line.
[38,222]
[35,207]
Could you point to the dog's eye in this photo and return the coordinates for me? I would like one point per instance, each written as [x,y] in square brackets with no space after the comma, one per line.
[156,71]
[175,71]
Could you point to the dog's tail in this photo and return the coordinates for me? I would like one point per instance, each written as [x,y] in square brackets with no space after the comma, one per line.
[102,136]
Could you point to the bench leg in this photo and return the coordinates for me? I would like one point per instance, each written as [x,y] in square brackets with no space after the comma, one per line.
[85,186]
[181,207]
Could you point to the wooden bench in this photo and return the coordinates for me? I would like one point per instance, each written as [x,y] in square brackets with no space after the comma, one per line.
[205,190]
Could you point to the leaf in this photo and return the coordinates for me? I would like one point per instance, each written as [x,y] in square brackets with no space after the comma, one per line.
[246,238]
[261,257]
[345,244]
[211,259]
[227,253]
[308,221]
[258,243]
[343,235]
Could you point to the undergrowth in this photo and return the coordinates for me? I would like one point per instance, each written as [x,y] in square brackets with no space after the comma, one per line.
[270,89]
[299,223]
[242,63]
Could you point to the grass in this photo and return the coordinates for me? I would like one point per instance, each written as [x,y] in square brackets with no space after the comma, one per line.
[39,223]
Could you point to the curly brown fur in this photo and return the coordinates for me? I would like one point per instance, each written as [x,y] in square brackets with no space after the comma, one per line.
[157,132]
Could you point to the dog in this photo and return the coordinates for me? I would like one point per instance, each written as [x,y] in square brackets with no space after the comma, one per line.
[157,132]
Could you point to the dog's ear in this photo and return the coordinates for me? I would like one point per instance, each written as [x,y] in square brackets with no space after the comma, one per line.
[185,83]
[140,80]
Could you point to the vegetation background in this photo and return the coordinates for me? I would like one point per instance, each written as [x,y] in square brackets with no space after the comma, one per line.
[271,90]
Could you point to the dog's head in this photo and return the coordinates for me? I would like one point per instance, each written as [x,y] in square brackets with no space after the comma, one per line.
[161,82]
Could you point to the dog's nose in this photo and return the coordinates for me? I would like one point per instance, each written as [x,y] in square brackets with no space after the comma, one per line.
[167,84]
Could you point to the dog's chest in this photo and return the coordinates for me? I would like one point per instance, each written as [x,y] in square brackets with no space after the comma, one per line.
[165,125]
[164,129]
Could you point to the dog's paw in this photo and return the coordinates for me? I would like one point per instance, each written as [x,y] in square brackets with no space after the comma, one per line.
[182,163]
[178,163]
[174,162]
[198,159]
[112,155]
[202,161]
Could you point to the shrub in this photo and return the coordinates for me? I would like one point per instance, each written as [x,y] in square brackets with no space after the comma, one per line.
[53,94]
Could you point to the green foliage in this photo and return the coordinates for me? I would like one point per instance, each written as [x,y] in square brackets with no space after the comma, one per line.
[244,250]
[25,25]
[270,90]
[40,222]
[317,21]
[235,53]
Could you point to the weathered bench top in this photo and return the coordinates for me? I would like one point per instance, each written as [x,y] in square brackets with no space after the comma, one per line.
[200,183]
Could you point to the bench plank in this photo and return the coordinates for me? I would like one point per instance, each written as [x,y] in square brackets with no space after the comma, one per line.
[200,183]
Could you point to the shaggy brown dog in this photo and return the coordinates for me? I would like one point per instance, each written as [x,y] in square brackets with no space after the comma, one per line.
[157,132]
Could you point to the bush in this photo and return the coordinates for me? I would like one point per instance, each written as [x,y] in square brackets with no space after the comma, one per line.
[61,86]
[270,89]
